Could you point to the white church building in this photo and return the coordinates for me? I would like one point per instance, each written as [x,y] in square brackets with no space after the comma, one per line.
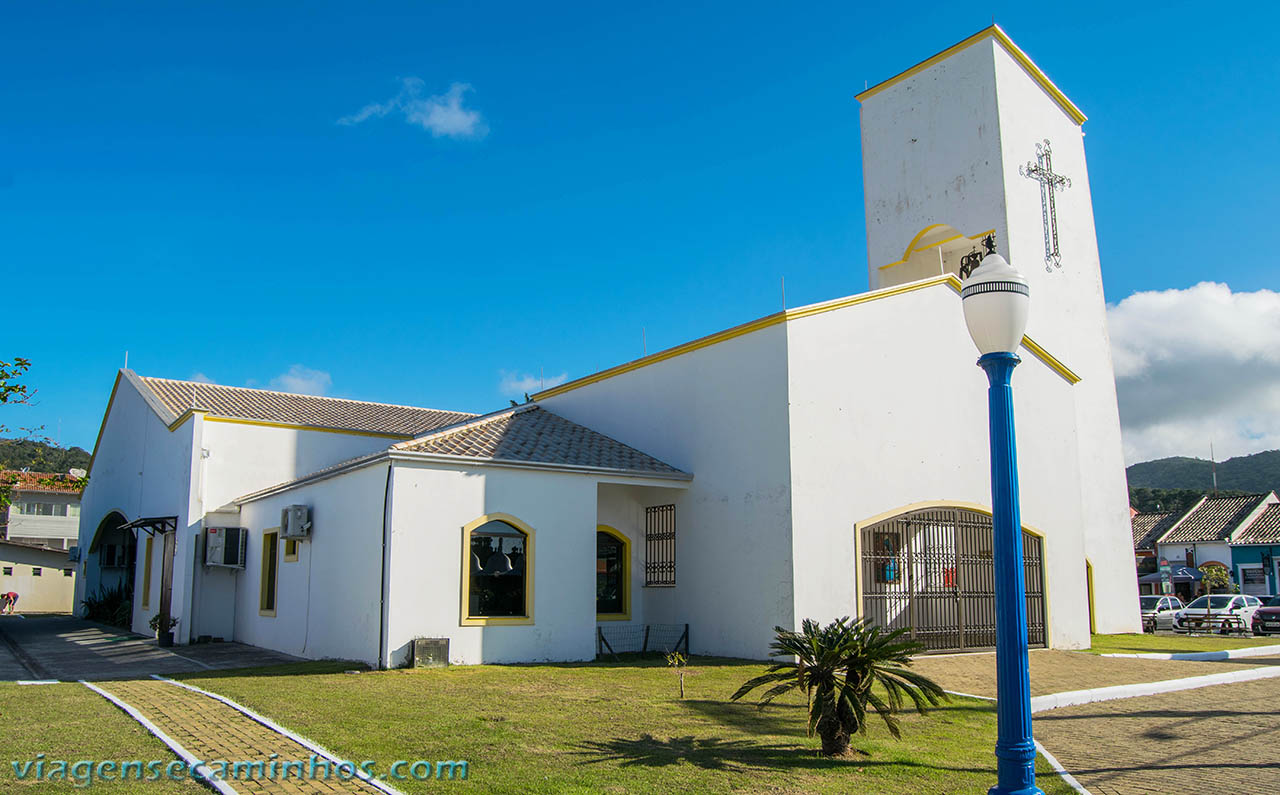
[826,460]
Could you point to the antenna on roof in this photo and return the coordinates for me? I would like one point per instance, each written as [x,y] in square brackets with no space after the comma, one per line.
[126,360]
[1214,466]
[644,345]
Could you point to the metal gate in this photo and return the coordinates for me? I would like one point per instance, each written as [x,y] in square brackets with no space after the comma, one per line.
[932,571]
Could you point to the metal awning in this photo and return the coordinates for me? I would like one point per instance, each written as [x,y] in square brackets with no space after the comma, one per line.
[153,524]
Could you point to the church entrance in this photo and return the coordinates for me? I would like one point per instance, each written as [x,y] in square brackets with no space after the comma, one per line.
[931,570]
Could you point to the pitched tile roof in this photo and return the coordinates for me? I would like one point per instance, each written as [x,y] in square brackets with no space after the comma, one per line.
[51,482]
[1264,530]
[1214,519]
[1147,527]
[532,434]
[287,408]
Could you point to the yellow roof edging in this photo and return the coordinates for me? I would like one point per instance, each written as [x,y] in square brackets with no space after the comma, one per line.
[997,33]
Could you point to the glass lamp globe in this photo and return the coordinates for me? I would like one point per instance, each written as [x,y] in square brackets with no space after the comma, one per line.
[995,299]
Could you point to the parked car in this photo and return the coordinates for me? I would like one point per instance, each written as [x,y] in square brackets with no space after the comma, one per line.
[1266,619]
[1221,612]
[1158,610]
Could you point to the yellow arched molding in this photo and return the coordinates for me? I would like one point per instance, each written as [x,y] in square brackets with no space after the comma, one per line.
[625,615]
[959,504]
[480,621]
[96,541]
[914,246]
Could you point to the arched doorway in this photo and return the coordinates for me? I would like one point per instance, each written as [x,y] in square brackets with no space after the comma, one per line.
[931,570]
[113,551]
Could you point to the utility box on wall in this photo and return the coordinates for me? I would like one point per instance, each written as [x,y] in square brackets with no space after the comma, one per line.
[430,653]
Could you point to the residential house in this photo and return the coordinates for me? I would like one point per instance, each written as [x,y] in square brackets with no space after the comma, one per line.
[1201,537]
[1255,554]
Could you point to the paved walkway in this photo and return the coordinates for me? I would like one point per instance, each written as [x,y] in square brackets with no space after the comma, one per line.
[1058,671]
[1217,739]
[61,647]
[214,731]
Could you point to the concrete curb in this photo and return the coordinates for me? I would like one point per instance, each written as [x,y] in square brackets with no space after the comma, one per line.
[1073,698]
[1208,656]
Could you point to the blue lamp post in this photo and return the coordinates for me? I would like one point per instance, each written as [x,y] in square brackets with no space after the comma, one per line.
[995,298]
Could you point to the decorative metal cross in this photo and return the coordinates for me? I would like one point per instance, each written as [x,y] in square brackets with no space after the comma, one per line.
[1050,183]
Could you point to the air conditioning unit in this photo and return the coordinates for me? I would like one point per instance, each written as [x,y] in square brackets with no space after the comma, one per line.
[295,522]
[73,555]
[224,546]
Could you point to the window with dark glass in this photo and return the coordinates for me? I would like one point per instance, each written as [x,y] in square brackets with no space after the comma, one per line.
[610,581]
[498,582]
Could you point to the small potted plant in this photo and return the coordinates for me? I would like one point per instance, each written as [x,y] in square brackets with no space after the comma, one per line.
[164,636]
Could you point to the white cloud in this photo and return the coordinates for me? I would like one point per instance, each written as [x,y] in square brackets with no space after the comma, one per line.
[303,381]
[1197,366]
[200,378]
[442,115]
[515,385]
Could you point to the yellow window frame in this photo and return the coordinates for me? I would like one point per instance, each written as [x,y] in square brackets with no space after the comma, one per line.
[290,550]
[625,615]
[146,575]
[269,582]
[465,618]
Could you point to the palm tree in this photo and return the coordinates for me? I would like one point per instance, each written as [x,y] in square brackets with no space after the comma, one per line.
[837,666]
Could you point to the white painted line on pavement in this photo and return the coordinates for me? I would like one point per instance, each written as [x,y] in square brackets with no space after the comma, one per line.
[174,745]
[1226,654]
[38,681]
[310,745]
[1073,698]
[1050,758]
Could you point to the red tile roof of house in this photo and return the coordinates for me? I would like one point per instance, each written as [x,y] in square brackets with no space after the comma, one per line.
[52,482]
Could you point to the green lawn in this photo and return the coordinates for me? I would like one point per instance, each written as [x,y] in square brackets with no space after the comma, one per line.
[71,723]
[608,727]
[1133,644]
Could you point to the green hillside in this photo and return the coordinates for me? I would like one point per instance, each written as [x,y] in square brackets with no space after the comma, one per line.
[40,457]
[1247,473]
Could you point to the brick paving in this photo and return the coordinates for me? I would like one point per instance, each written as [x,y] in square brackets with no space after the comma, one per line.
[214,731]
[1215,739]
[1059,671]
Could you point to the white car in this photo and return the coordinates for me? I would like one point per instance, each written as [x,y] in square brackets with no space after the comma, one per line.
[1158,611]
[1221,612]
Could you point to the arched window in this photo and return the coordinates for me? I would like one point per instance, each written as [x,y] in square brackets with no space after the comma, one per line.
[497,573]
[613,575]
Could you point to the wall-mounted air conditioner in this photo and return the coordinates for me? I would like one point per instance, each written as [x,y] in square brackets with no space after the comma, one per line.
[73,555]
[295,522]
[224,546]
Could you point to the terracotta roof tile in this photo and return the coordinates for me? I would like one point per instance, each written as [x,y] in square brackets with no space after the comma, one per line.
[1147,527]
[1214,519]
[287,408]
[1264,530]
[30,481]
[532,434]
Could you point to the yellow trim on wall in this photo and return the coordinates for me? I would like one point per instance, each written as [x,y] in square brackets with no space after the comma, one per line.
[290,550]
[296,427]
[911,247]
[625,615]
[146,575]
[997,33]
[467,620]
[270,547]
[787,316]
[968,506]
[1088,575]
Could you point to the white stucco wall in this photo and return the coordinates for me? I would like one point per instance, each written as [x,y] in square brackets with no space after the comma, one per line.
[718,412]
[888,410]
[140,468]
[944,146]
[431,506]
[327,601]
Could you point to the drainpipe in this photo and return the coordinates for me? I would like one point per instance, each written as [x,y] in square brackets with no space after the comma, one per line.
[383,661]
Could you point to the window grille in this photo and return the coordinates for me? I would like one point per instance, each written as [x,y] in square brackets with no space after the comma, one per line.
[660,546]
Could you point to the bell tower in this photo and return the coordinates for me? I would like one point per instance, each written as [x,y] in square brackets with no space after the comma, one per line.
[976,145]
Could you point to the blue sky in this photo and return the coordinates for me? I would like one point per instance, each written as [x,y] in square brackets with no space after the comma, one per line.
[175,180]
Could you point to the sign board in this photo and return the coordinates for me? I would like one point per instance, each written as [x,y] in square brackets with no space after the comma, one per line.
[1166,576]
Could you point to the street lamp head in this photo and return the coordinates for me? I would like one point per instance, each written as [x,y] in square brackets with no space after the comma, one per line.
[995,298]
